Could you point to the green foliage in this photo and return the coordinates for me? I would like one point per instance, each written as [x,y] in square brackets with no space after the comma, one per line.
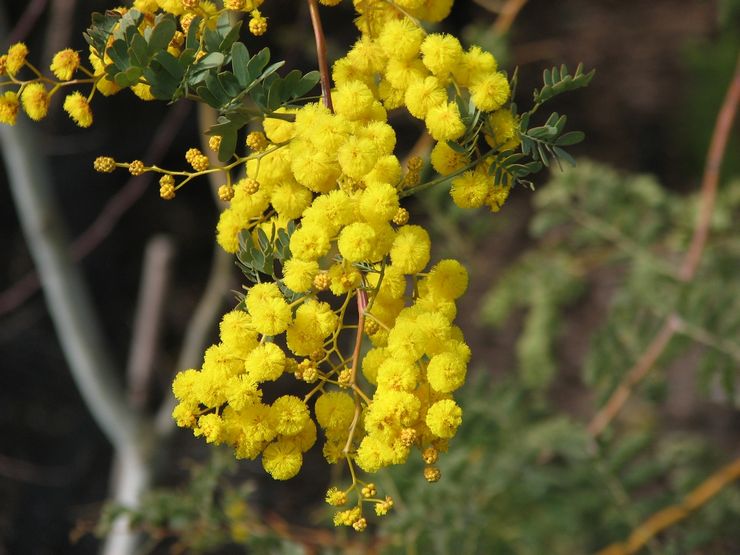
[201,70]
[526,481]
[521,477]
[591,219]
[707,63]
[100,29]
[544,302]
[556,81]
[257,256]
[540,145]
[546,143]
[210,513]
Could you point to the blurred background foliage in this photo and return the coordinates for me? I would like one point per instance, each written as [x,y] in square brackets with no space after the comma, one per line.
[568,286]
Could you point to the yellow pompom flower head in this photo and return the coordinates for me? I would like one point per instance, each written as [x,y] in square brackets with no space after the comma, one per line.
[9,106]
[16,58]
[64,64]
[35,99]
[77,107]
[257,23]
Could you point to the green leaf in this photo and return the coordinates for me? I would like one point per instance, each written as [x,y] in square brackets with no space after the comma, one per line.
[543,133]
[263,240]
[128,77]
[192,40]
[227,147]
[257,63]
[563,155]
[138,51]
[209,61]
[258,259]
[170,64]
[208,97]
[558,80]
[271,69]
[457,148]
[223,25]
[163,85]
[239,61]
[275,95]
[230,38]
[542,153]
[128,25]
[308,82]
[161,35]
[570,138]
[119,55]
[211,40]
[230,84]
[101,27]
[290,82]
[215,87]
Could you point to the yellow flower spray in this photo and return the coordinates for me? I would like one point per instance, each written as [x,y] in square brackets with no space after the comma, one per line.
[345,301]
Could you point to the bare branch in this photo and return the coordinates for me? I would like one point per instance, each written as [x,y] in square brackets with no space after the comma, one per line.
[68,299]
[155,278]
[674,514]
[671,325]
[110,214]
[318,32]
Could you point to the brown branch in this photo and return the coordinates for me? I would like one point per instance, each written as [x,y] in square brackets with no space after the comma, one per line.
[59,28]
[155,277]
[715,156]
[23,471]
[671,325]
[318,32]
[26,23]
[115,208]
[507,16]
[634,376]
[673,514]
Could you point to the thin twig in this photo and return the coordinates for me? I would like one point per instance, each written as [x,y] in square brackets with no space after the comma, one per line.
[26,23]
[60,26]
[23,471]
[318,32]
[671,325]
[507,16]
[361,306]
[634,376]
[716,154]
[622,242]
[155,277]
[669,516]
[703,335]
[110,214]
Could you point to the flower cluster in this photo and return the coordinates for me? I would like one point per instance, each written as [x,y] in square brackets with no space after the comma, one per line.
[355,321]
[433,76]
[335,173]
[332,170]
[34,95]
